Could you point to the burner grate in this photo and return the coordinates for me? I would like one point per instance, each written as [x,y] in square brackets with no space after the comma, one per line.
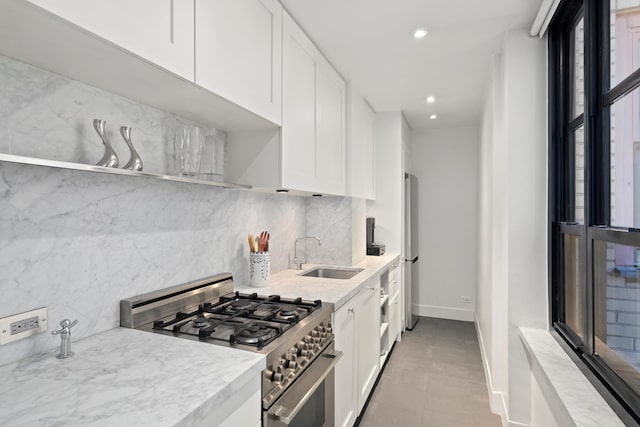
[240,319]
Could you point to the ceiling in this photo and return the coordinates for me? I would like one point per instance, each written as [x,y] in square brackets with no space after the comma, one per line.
[369,42]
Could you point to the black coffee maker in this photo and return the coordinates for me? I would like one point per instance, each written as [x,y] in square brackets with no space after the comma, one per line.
[372,247]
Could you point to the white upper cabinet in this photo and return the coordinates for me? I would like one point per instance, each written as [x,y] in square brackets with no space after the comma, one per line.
[299,73]
[160,31]
[361,148]
[330,131]
[313,117]
[239,53]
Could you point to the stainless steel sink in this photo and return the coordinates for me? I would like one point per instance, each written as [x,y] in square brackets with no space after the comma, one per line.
[332,272]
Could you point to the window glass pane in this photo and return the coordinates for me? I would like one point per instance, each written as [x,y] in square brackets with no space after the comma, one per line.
[573,295]
[578,140]
[625,161]
[617,309]
[625,36]
[578,69]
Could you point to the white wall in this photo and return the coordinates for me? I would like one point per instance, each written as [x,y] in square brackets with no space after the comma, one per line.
[388,208]
[445,161]
[512,206]
[393,136]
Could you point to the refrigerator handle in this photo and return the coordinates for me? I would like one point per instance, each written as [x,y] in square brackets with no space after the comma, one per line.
[412,260]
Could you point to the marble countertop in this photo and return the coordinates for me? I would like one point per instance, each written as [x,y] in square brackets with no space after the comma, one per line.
[573,400]
[289,283]
[125,377]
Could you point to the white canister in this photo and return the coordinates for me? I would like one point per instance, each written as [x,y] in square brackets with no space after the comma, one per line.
[259,269]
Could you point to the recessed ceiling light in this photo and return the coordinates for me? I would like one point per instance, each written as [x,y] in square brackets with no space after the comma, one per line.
[420,33]
[433,116]
[431,99]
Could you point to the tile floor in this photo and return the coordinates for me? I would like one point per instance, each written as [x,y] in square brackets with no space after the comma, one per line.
[434,378]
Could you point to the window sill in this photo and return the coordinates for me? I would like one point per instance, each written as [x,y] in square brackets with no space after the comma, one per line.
[571,397]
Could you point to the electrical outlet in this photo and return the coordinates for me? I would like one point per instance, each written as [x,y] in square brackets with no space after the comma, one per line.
[466,300]
[23,325]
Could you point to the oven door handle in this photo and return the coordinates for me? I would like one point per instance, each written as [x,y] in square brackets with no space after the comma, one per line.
[285,415]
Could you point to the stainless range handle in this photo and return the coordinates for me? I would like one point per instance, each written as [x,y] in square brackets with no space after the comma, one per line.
[285,415]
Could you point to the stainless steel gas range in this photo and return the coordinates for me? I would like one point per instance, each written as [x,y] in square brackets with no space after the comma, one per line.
[295,335]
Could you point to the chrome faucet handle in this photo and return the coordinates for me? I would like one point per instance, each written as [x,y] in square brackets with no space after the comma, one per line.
[65,338]
[66,326]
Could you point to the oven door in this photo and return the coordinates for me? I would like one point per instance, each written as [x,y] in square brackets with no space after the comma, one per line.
[309,401]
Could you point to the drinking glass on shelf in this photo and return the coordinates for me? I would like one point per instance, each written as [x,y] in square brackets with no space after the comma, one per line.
[212,163]
[187,145]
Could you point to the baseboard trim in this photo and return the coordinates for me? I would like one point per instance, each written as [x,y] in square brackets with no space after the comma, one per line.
[450,313]
[497,399]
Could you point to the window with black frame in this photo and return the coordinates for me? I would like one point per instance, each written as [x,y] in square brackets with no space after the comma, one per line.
[594,60]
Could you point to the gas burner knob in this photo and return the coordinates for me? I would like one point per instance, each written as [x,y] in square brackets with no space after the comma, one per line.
[304,353]
[277,377]
[317,340]
[315,333]
[323,335]
[279,369]
[317,347]
[292,357]
[292,364]
[308,339]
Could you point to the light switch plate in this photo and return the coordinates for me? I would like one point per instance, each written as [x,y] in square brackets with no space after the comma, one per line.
[23,325]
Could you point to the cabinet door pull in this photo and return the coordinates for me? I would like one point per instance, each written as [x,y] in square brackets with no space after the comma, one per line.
[172,17]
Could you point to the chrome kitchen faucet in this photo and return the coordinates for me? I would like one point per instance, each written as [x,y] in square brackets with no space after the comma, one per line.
[299,261]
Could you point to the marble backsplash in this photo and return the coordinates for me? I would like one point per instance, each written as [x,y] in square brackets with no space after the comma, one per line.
[46,115]
[79,242]
[340,222]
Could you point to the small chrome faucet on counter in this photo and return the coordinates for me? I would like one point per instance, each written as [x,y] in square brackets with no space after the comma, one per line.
[65,336]
[297,260]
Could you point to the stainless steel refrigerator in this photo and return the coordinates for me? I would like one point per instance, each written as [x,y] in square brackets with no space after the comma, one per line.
[411,249]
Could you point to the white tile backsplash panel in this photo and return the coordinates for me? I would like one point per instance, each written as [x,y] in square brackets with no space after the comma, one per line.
[79,242]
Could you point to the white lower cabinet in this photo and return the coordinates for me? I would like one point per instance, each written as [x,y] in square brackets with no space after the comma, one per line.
[394,319]
[356,328]
[395,310]
[346,399]
[368,336]
[242,409]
